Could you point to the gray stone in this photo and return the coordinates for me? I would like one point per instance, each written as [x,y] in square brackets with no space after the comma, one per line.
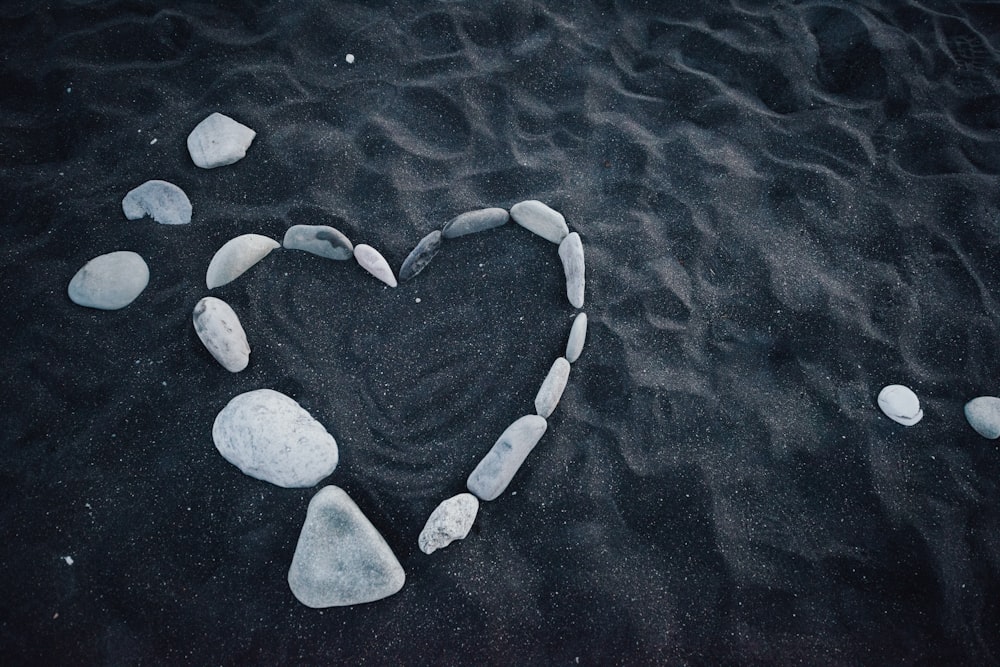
[372,261]
[983,414]
[109,282]
[472,222]
[501,463]
[319,240]
[552,388]
[341,559]
[571,254]
[220,331]
[900,404]
[577,337]
[535,216]
[236,256]
[451,520]
[269,436]
[421,255]
[163,202]
[219,140]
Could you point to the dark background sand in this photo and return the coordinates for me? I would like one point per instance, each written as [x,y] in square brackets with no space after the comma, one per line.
[785,206]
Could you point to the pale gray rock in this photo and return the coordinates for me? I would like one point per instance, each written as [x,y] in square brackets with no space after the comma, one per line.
[472,222]
[537,217]
[451,520]
[162,201]
[501,463]
[571,254]
[219,140]
[269,436]
[109,282]
[220,331]
[421,255]
[341,559]
[236,256]
[983,414]
[372,261]
[552,388]
[577,337]
[319,240]
[900,404]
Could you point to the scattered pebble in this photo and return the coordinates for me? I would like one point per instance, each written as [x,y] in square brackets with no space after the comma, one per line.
[372,261]
[349,58]
[577,337]
[983,414]
[218,141]
[501,463]
[900,404]
[319,240]
[538,218]
[109,282]
[451,520]
[236,256]
[162,201]
[220,331]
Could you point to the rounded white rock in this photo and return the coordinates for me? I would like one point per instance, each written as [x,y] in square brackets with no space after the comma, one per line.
[372,261]
[577,337]
[236,256]
[109,282]
[451,520]
[164,202]
[219,140]
[900,404]
[983,414]
[220,331]
[539,218]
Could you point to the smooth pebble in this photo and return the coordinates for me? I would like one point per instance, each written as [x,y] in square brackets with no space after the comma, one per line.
[472,222]
[421,255]
[236,256]
[109,282]
[577,337]
[900,404]
[537,217]
[451,520]
[552,388]
[219,329]
[372,261]
[218,141]
[983,414]
[319,240]
[571,254]
[496,470]
[162,201]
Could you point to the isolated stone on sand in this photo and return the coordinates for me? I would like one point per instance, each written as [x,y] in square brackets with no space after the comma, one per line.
[577,337]
[900,404]
[451,520]
[421,255]
[269,436]
[236,256]
[372,261]
[109,282]
[472,222]
[162,201]
[571,254]
[552,388]
[501,463]
[341,558]
[220,331]
[219,140]
[319,240]
[983,414]
[537,217]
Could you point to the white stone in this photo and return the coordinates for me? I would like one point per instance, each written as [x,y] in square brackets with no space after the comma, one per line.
[236,256]
[162,201]
[109,282]
[349,58]
[319,240]
[340,558]
[501,463]
[220,331]
[372,261]
[269,436]
[983,414]
[451,520]
[577,337]
[571,254]
[219,140]
[900,404]
[537,217]
[552,388]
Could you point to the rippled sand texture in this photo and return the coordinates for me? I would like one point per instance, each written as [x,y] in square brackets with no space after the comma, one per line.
[784,208]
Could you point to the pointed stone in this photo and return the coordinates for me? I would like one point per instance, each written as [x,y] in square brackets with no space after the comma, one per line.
[472,222]
[577,337]
[552,388]
[451,520]
[571,254]
[109,282]
[372,261]
[220,331]
[421,255]
[502,462]
[983,414]
[319,240]
[341,559]
[537,217]
[219,140]
[236,256]
[162,201]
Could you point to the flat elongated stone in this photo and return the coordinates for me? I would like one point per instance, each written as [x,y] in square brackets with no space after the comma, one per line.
[236,256]
[319,240]
[219,140]
[900,404]
[162,201]
[220,331]
[472,222]
[571,254]
[451,520]
[537,217]
[577,337]
[269,436]
[983,414]
[109,282]
[340,558]
[552,388]
[421,255]
[501,463]
[372,261]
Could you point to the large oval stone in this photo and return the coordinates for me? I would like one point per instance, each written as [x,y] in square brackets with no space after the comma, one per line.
[219,140]
[220,331]
[109,282]
[983,414]
[537,217]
